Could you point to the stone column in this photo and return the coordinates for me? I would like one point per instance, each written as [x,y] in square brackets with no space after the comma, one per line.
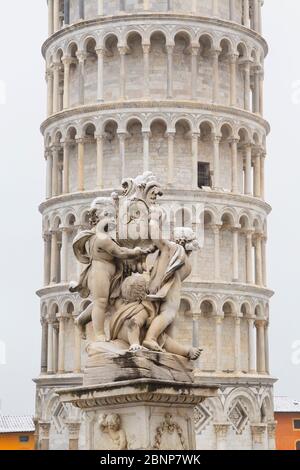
[196,335]
[44,429]
[258,261]
[67,61]
[215,78]
[233,69]
[74,430]
[50,18]
[171,138]
[80,168]
[260,3]
[255,15]
[249,258]
[258,436]
[219,322]
[170,5]
[262,175]
[170,49]
[260,345]
[248,171]
[194,51]
[257,170]
[122,139]
[47,259]
[237,345]
[100,140]
[215,7]
[64,255]
[50,365]
[146,52]
[216,230]
[246,14]
[195,138]
[54,251]
[272,435]
[100,79]
[122,52]
[221,431]
[49,170]
[81,63]
[256,88]
[231,9]
[66,12]
[44,346]
[216,170]
[61,344]
[235,258]
[247,85]
[261,93]
[56,15]
[234,163]
[55,347]
[66,168]
[81,9]
[251,346]
[56,70]
[49,78]
[267,353]
[77,355]
[264,261]
[146,138]
[100,7]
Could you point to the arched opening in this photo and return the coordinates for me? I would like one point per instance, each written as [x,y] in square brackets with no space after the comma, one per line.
[205,82]
[226,246]
[205,155]
[90,72]
[111,155]
[183,154]
[224,71]
[90,156]
[134,148]
[111,79]
[135,67]
[159,149]
[226,157]
[207,336]
[182,66]
[158,66]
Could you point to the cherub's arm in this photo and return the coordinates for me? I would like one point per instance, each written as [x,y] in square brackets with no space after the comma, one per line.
[117,251]
[162,265]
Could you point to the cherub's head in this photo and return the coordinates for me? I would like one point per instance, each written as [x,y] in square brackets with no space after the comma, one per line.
[134,288]
[186,237]
[113,422]
[103,215]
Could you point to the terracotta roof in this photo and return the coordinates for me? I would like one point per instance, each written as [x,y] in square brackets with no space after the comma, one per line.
[11,424]
[286,405]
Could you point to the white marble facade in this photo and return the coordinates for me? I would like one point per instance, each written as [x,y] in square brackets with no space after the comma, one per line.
[175,87]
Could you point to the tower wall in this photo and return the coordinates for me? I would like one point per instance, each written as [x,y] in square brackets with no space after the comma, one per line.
[175,87]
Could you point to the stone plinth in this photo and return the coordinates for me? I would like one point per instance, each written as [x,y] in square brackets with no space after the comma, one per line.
[140,414]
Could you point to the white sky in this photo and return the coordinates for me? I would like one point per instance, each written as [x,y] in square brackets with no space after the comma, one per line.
[22,31]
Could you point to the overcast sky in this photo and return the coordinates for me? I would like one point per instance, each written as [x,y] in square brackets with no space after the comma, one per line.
[22,32]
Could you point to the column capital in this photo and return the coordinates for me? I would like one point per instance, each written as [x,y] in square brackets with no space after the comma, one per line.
[272,429]
[258,430]
[260,323]
[170,48]
[233,140]
[123,50]
[100,50]
[44,427]
[215,52]
[146,48]
[68,60]
[216,228]
[219,318]
[146,134]
[221,429]
[99,137]
[233,57]
[81,56]
[171,134]
[122,134]
[73,428]
[194,49]
[216,137]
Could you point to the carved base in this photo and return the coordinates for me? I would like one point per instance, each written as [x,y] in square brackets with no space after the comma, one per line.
[139,414]
[116,366]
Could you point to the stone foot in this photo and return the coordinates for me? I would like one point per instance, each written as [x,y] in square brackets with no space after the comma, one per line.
[194,353]
[152,345]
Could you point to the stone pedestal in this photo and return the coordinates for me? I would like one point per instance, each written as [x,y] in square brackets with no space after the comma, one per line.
[139,414]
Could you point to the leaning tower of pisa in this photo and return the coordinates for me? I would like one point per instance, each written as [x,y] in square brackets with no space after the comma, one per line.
[174,87]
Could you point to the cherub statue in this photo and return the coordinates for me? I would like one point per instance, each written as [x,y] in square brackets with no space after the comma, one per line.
[135,314]
[103,276]
[111,424]
[170,269]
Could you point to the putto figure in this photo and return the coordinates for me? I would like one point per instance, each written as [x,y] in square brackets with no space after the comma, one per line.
[141,295]
[103,275]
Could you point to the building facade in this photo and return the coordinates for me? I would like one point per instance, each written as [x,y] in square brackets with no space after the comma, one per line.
[287,416]
[174,87]
[17,433]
